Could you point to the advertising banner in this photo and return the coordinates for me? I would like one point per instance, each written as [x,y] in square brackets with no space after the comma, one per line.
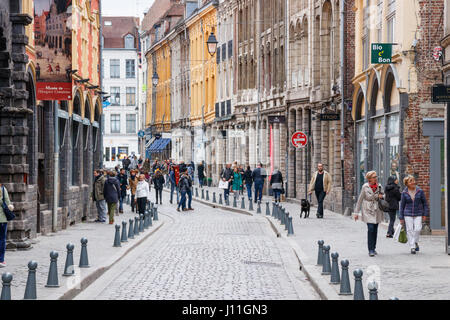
[53,44]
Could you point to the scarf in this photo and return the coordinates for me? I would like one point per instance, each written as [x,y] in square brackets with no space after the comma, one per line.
[374,187]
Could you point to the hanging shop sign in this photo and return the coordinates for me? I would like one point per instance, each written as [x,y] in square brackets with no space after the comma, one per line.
[330,116]
[381,53]
[440,93]
[276,119]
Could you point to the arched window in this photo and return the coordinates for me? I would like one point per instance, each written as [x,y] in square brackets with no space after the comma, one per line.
[87,159]
[325,49]
[360,139]
[76,143]
[129,41]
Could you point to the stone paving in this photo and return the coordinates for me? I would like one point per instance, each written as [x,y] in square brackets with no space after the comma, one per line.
[425,275]
[206,254]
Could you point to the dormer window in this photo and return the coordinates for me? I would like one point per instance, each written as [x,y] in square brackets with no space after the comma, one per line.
[129,41]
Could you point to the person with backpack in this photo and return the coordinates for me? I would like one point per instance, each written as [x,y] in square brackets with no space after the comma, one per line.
[98,196]
[111,192]
[393,197]
[183,185]
[276,182]
[6,203]
[158,181]
[247,179]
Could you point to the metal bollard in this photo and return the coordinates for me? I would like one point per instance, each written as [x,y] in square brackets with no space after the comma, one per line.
[220,198]
[373,290]
[227,200]
[30,288]
[335,276]
[146,214]
[155,214]
[286,221]
[326,268]
[345,289]
[267,209]
[250,205]
[359,292]
[243,203]
[203,194]
[84,261]
[258,209]
[196,192]
[234,201]
[207,195]
[282,216]
[52,280]
[291,227]
[117,237]
[273,209]
[141,223]
[149,220]
[136,226]
[69,266]
[6,289]
[124,237]
[214,198]
[130,229]
[320,253]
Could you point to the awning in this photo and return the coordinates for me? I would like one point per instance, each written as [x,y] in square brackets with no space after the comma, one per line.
[159,145]
[147,145]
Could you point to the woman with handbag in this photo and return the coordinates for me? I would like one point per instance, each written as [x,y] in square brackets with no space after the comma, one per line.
[276,182]
[6,215]
[393,197]
[413,211]
[370,204]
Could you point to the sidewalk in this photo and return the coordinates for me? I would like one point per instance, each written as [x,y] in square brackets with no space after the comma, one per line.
[102,255]
[398,273]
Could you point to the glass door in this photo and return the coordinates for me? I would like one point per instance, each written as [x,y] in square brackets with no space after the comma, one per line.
[378,160]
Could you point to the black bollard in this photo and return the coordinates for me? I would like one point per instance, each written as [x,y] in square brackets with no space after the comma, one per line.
[155,214]
[6,288]
[258,208]
[203,194]
[130,229]
[141,223]
[320,253]
[207,195]
[234,201]
[273,209]
[149,221]
[373,290]
[267,209]
[359,292]
[250,205]
[84,261]
[214,198]
[326,268]
[220,198]
[117,236]
[335,277]
[136,226]
[146,214]
[290,228]
[196,192]
[227,200]
[52,280]
[69,269]
[243,203]
[30,288]
[283,216]
[286,221]
[345,289]
[124,237]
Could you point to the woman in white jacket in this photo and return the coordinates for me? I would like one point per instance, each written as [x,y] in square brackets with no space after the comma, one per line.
[142,193]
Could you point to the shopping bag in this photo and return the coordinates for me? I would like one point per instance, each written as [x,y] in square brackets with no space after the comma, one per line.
[397,231]
[402,238]
[223,184]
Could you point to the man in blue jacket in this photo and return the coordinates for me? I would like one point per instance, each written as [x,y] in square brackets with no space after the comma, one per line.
[259,175]
[111,193]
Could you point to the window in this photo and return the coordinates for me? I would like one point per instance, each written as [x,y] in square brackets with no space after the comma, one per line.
[379,20]
[130,68]
[115,123]
[365,45]
[114,68]
[108,23]
[129,41]
[115,96]
[217,109]
[113,154]
[391,21]
[218,57]
[107,156]
[131,96]
[131,123]
[230,48]
[224,52]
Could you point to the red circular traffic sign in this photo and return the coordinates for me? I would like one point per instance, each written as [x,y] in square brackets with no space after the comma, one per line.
[299,139]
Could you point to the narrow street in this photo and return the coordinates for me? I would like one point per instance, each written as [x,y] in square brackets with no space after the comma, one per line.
[206,254]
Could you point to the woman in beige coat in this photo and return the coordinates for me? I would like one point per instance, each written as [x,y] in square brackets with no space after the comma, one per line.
[368,206]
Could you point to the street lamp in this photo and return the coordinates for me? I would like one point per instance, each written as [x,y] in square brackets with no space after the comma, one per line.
[212,44]
[155,79]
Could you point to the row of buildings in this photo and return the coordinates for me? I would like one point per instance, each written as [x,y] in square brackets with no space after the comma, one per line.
[285,66]
[49,148]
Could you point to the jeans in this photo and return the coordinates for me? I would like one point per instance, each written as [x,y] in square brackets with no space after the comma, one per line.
[121,203]
[200,181]
[372,232]
[101,209]
[158,192]
[3,232]
[276,194]
[249,190]
[132,203]
[226,193]
[413,227]
[392,216]
[320,195]
[173,188]
[259,185]
[189,194]
[182,202]
[111,210]
[141,203]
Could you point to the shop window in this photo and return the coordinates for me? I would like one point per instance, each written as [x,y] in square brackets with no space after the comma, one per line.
[113,154]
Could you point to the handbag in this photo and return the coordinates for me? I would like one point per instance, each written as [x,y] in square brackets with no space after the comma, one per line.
[402,238]
[282,190]
[8,213]
[383,205]
[223,184]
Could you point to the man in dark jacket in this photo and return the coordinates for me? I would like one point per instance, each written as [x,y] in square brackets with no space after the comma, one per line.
[201,174]
[123,181]
[112,194]
[182,166]
[227,175]
[393,197]
[158,181]
[247,179]
[126,163]
[173,184]
[183,185]
[98,196]
[259,175]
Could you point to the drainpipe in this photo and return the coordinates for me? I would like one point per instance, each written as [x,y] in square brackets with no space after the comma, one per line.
[101,120]
[286,64]
[342,71]
[56,166]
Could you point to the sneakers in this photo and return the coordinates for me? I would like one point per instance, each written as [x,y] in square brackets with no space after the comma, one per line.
[178,209]
[2,264]
[389,236]
[190,209]
[413,251]
[417,247]
[372,253]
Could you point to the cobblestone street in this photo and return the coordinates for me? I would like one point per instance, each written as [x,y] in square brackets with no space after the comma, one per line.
[206,254]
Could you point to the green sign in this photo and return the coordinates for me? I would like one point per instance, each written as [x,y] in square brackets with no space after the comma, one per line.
[381,53]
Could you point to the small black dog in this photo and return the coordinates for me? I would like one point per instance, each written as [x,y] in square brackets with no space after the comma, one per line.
[305,208]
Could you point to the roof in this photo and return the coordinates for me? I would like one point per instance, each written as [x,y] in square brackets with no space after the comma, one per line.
[120,26]
[156,11]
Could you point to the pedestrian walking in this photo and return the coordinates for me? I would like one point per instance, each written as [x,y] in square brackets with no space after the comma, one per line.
[182,166]
[227,176]
[276,182]
[237,180]
[158,182]
[146,165]
[98,196]
[201,174]
[123,180]
[132,185]
[133,163]
[247,179]
[111,192]
[321,183]
[126,163]
[183,185]
[393,197]
[173,184]
[191,170]
[142,194]
[241,171]
[4,196]
[413,211]
[371,213]
[140,162]
[259,175]
[189,192]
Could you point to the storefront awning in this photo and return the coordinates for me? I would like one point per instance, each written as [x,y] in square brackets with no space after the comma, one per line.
[159,145]
[147,145]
